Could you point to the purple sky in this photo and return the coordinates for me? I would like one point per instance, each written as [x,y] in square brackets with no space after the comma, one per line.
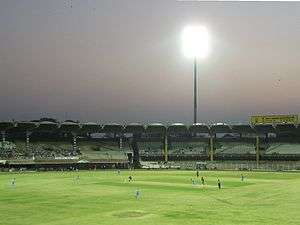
[122,61]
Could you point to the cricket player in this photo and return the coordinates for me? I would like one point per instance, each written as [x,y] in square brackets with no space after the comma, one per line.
[219,184]
[137,194]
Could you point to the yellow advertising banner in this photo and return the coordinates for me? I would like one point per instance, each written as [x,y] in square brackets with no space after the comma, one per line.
[274,119]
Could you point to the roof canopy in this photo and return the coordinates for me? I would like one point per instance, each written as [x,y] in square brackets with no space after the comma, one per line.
[199,128]
[135,128]
[242,129]
[47,126]
[220,128]
[90,127]
[69,127]
[156,128]
[112,128]
[177,128]
[26,126]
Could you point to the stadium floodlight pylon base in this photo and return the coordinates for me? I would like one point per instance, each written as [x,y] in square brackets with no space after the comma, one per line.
[165,150]
[211,149]
[136,154]
[257,151]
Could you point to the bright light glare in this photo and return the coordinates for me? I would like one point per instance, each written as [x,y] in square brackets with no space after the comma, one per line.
[195,41]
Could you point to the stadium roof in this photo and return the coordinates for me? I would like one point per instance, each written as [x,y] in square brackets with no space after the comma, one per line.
[69,127]
[177,128]
[242,128]
[220,128]
[157,128]
[47,125]
[90,127]
[112,128]
[89,124]
[199,128]
[26,126]
[135,128]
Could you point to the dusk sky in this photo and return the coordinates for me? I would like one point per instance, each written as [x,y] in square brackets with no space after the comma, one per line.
[122,61]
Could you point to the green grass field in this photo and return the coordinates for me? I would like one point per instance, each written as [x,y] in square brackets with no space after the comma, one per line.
[167,197]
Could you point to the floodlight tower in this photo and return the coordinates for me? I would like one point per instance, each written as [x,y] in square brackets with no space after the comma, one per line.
[195,41]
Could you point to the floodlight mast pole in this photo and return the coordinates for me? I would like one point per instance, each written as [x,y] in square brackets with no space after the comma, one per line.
[195,89]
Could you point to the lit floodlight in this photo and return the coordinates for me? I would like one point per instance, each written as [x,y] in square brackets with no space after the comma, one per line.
[195,41]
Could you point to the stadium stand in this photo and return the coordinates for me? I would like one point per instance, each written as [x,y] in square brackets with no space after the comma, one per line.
[283,148]
[151,148]
[102,150]
[37,150]
[188,148]
[232,146]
